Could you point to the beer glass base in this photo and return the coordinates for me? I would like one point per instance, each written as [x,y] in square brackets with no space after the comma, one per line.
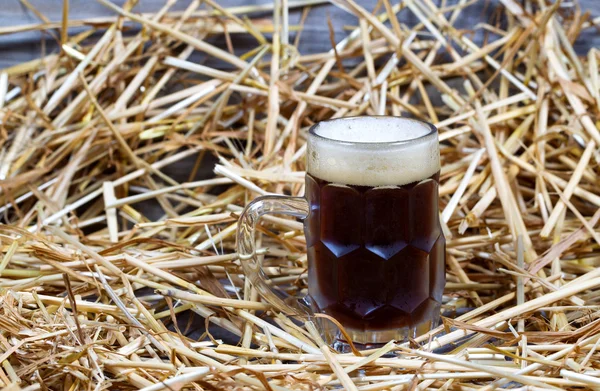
[371,339]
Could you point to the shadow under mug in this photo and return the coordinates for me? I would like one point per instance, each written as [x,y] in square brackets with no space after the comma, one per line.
[376,253]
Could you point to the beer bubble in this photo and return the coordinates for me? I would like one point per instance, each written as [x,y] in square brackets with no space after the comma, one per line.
[373,151]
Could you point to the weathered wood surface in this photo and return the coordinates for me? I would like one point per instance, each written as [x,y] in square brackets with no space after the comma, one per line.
[16,48]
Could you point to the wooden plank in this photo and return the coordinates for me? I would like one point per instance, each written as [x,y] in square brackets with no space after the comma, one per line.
[25,46]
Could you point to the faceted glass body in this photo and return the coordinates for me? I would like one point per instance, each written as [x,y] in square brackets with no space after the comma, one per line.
[376,254]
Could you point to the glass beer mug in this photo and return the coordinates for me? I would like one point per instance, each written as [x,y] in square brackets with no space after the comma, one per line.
[376,252]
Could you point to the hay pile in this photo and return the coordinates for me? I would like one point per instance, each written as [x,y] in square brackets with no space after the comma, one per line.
[109,263]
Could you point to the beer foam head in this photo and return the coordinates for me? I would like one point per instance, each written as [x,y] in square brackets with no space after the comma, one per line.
[373,151]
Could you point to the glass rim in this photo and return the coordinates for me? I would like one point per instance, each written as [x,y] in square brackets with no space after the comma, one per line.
[432,130]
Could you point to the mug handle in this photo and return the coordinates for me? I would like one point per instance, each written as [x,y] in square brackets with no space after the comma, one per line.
[270,204]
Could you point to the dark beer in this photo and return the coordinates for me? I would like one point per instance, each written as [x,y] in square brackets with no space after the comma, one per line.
[375,248]
[377,254]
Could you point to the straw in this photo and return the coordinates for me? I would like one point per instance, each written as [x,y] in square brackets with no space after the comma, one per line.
[119,267]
